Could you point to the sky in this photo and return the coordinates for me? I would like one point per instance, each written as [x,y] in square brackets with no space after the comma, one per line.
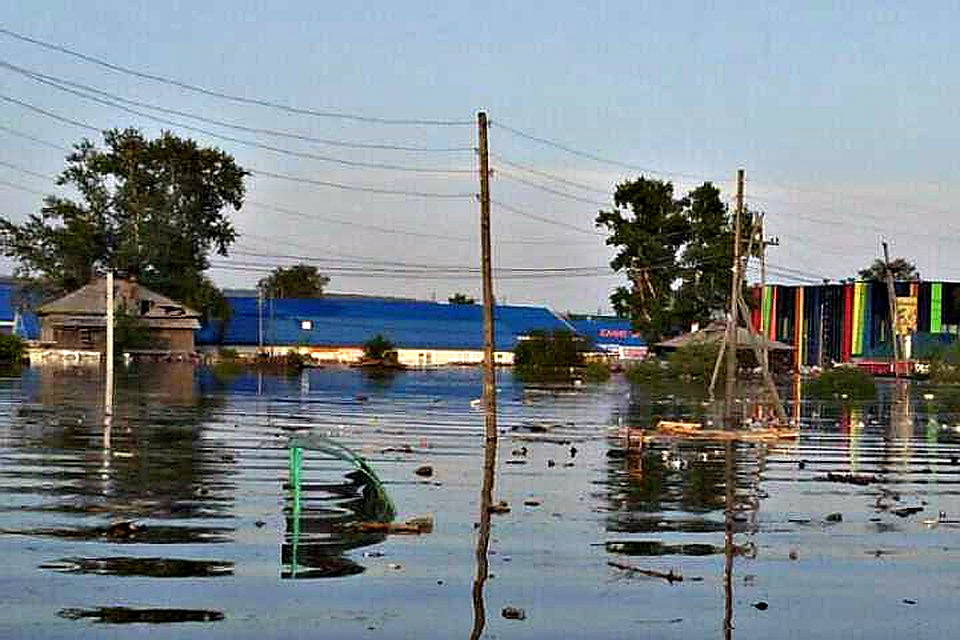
[842,114]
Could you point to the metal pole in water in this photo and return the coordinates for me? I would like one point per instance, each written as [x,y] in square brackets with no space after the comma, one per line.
[296,462]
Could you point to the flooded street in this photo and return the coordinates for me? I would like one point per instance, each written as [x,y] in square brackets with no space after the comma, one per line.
[228,504]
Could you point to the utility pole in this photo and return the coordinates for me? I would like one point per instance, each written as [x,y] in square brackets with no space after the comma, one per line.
[489,372]
[108,386]
[731,346]
[892,299]
[764,243]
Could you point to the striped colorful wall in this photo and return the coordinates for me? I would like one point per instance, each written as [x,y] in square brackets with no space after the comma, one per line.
[841,322]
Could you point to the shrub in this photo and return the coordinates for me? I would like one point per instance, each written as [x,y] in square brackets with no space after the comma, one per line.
[596,371]
[847,383]
[557,354]
[11,349]
[379,348]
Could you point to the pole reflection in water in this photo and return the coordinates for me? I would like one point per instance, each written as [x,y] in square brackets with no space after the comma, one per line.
[483,536]
[729,482]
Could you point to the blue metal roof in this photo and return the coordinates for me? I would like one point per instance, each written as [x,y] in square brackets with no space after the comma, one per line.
[350,321]
[607,330]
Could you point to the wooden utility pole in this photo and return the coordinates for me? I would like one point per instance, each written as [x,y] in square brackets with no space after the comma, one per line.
[892,299]
[731,347]
[108,385]
[489,371]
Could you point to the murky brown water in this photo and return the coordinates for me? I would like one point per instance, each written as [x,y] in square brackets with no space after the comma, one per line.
[183,520]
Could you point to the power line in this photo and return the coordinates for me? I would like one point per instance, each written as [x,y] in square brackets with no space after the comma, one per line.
[36,75]
[28,172]
[323,183]
[39,141]
[226,96]
[14,185]
[549,176]
[550,221]
[364,189]
[556,192]
[112,102]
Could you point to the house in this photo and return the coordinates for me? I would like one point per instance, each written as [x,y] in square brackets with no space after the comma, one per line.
[334,328]
[74,326]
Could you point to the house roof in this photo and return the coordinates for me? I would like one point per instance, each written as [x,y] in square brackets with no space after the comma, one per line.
[714,334]
[349,321]
[90,299]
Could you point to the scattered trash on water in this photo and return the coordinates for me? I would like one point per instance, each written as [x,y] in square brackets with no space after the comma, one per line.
[834,517]
[424,471]
[414,526]
[669,576]
[500,507]
[125,529]
[909,601]
[513,613]
[761,606]
[128,615]
[903,512]
[850,478]
[531,502]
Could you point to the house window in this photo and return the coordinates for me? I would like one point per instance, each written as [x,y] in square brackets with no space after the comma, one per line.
[306,325]
[86,338]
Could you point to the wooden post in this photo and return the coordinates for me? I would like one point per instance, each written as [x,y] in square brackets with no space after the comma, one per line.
[731,350]
[108,386]
[892,299]
[489,371]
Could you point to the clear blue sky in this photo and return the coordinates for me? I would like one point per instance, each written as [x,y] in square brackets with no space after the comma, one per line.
[842,114]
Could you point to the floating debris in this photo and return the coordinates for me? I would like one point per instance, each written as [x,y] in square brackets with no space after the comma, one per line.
[669,576]
[128,615]
[513,613]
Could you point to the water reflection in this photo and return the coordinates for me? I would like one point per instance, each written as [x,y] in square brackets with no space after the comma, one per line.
[483,537]
[129,615]
[144,567]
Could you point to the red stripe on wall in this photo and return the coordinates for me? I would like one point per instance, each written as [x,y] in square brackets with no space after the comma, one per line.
[773,313]
[846,346]
[755,313]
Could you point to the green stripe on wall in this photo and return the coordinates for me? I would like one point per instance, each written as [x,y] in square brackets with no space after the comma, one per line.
[936,291]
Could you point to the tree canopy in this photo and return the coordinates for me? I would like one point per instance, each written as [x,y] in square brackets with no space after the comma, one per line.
[901,268]
[152,209]
[675,252]
[298,281]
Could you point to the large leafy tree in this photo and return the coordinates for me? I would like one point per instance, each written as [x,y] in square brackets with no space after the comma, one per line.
[648,228]
[153,209]
[676,254]
[298,281]
[901,268]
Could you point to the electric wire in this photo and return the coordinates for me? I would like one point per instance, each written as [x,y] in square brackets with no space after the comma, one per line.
[231,97]
[112,102]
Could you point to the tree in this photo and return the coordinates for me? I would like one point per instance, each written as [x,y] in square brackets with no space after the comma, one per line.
[549,354]
[298,281]
[901,268]
[150,209]
[461,298]
[648,242]
[379,349]
[676,254]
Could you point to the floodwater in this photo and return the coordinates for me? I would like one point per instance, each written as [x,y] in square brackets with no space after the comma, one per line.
[227,505]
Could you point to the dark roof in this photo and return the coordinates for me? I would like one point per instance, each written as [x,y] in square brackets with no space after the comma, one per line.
[348,321]
[90,299]
[714,333]
[607,330]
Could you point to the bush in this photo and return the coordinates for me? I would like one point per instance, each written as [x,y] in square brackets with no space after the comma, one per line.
[554,355]
[846,383]
[596,371]
[11,349]
[379,349]
[647,372]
